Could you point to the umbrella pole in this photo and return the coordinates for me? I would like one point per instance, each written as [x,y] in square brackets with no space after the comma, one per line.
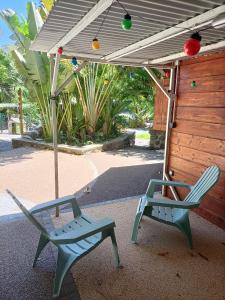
[54,127]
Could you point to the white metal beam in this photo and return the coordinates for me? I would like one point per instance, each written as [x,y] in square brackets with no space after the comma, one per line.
[156,80]
[55,75]
[93,13]
[181,55]
[195,22]
[97,59]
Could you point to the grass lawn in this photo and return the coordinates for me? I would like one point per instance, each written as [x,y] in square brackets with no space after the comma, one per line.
[143,136]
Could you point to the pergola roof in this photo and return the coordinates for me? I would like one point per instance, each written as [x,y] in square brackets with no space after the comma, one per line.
[159,29]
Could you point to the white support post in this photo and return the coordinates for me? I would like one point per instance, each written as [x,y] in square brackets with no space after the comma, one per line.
[177,64]
[170,97]
[54,127]
[52,64]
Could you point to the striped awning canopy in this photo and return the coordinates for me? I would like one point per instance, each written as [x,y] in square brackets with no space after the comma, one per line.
[159,30]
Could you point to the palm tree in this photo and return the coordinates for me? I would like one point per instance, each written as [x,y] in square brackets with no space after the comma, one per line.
[32,66]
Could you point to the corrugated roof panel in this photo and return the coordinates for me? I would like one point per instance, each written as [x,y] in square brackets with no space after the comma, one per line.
[149,17]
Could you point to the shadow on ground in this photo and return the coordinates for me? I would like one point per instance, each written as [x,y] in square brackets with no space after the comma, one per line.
[5,145]
[120,182]
[139,152]
[15,155]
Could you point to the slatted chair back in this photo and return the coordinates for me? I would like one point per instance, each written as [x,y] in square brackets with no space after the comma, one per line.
[31,218]
[208,179]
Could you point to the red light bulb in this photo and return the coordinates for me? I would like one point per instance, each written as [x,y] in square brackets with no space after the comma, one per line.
[60,50]
[193,44]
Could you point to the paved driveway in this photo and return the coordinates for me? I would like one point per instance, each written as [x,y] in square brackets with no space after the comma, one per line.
[94,177]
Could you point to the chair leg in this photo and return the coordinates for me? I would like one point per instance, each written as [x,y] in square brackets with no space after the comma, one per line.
[64,262]
[136,226]
[138,217]
[115,248]
[184,226]
[43,241]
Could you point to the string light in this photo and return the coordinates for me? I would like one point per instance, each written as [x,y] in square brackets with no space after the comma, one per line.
[193,44]
[167,73]
[191,47]
[127,22]
[95,41]
[74,61]
[60,50]
[95,44]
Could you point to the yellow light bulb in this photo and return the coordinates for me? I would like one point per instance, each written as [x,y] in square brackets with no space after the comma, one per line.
[95,44]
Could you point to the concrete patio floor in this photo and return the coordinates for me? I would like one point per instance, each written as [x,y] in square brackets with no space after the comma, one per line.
[160,267]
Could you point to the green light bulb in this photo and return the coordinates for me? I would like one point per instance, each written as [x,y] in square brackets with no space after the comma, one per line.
[127,22]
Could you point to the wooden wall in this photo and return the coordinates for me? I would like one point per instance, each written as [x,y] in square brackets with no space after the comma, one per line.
[198,140]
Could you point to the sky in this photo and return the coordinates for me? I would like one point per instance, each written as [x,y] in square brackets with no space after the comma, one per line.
[17,5]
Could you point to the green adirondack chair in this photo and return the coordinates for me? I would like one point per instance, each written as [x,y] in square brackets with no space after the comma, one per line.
[171,212]
[73,240]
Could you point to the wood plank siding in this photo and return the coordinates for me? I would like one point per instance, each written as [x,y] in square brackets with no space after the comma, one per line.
[198,140]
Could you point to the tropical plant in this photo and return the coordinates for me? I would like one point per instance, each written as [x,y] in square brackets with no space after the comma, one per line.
[138,91]
[95,98]
[71,120]
[33,66]
[9,78]
[94,89]
[112,121]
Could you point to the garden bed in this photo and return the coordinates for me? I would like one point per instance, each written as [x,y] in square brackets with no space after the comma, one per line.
[125,140]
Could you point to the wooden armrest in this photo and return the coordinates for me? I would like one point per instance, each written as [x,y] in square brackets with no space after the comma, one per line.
[83,232]
[52,204]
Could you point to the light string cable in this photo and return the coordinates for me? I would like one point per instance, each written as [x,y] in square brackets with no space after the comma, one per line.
[103,21]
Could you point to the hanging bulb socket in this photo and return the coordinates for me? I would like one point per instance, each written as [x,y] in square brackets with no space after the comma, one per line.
[95,44]
[196,36]
[127,22]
